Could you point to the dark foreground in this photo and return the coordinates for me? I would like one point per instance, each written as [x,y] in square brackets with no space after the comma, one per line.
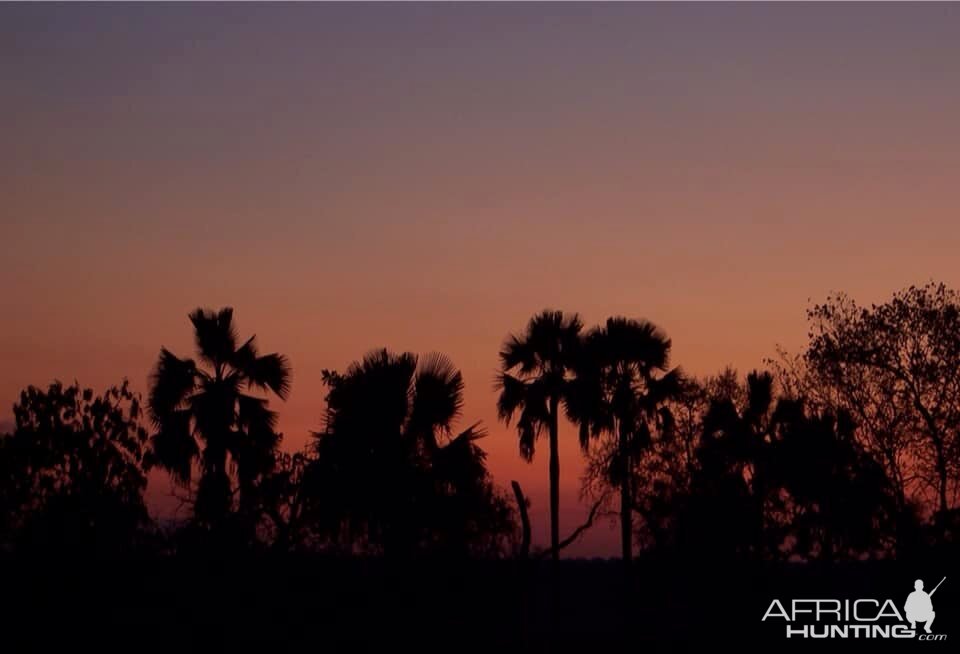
[315,604]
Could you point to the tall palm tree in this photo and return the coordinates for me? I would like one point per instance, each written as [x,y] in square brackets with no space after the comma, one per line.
[535,378]
[205,413]
[621,386]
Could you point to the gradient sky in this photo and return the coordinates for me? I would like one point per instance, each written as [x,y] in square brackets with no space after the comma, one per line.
[426,177]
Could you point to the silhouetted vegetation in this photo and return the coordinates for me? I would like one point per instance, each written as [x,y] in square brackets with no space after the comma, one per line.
[772,479]
[894,368]
[847,450]
[71,473]
[621,389]
[204,417]
[544,357]
[390,473]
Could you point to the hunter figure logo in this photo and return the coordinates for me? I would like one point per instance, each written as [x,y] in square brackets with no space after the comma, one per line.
[919,606]
[858,618]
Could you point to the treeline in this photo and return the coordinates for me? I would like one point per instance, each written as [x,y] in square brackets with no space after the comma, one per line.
[846,450]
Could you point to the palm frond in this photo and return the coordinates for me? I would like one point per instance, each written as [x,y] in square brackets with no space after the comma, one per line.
[512,396]
[173,447]
[270,372]
[660,390]
[517,352]
[585,402]
[460,461]
[244,355]
[639,342]
[550,340]
[215,334]
[531,399]
[528,428]
[171,383]
[474,432]
[253,447]
[254,416]
[438,393]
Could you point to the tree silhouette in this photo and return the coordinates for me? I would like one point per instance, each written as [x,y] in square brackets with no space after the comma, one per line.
[894,367]
[205,414]
[775,479]
[851,451]
[883,427]
[662,480]
[832,499]
[661,475]
[283,497]
[621,388]
[391,475]
[535,379]
[726,502]
[71,477]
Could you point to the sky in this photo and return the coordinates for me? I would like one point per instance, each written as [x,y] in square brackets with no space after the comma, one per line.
[425,177]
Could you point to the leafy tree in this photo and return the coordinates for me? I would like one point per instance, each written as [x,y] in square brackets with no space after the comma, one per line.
[894,366]
[391,475]
[535,378]
[205,413]
[71,475]
[622,386]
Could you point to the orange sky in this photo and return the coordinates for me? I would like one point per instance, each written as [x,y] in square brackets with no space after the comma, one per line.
[427,177]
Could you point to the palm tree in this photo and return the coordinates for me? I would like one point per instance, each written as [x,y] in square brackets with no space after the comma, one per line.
[390,470]
[206,414]
[621,386]
[536,377]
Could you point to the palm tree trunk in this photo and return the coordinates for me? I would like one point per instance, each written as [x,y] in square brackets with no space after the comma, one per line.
[554,479]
